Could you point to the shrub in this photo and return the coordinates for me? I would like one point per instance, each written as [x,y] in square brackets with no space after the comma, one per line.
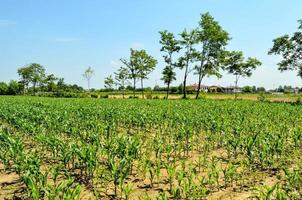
[149,96]
[261,97]
[94,96]
[202,96]
[105,96]
[3,88]
[14,88]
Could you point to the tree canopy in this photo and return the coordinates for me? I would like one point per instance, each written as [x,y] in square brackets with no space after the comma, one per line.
[290,49]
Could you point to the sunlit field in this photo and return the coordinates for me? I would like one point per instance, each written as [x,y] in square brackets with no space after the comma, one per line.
[149,149]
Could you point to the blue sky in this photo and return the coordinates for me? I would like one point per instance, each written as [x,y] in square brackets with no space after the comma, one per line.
[67,36]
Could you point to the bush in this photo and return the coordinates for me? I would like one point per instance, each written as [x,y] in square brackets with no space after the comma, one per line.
[156,97]
[94,96]
[261,97]
[61,94]
[148,96]
[3,88]
[14,88]
[105,96]
[202,96]
[133,97]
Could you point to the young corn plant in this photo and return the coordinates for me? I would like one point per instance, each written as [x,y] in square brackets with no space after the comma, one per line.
[171,170]
[229,172]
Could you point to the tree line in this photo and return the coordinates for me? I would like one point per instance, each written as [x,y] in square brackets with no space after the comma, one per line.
[201,51]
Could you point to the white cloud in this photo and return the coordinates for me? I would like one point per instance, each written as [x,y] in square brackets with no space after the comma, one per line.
[137,45]
[5,22]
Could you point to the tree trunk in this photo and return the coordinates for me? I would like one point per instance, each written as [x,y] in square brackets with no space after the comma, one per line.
[236,86]
[168,90]
[185,80]
[134,82]
[169,82]
[34,88]
[142,87]
[123,92]
[199,83]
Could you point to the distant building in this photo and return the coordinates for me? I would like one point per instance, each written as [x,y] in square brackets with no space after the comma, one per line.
[232,89]
[215,88]
[203,88]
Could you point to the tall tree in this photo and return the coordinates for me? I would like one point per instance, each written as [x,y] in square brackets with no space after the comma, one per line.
[88,75]
[169,45]
[33,73]
[145,64]
[109,82]
[121,77]
[236,64]
[187,41]
[290,48]
[139,67]
[49,81]
[211,39]
[168,76]
[132,68]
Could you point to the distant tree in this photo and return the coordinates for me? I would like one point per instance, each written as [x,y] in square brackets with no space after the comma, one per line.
[61,84]
[49,81]
[247,89]
[121,77]
[235,64]
[109,82]
[132,68]
[290,49]
[280,89]
[212,40]
[168,76]
[156,88]
[145,65]
[14,88]
[180,89]
[3,88]
[88,75]
[187,41]
[254,89]
[139,67]
[261,89]
[26,75]
[33,73]
[169,45]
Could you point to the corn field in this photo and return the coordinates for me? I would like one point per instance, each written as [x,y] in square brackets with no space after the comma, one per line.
[149,149]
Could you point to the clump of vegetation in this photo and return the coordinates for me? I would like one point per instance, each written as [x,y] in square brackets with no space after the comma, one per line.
[261,97]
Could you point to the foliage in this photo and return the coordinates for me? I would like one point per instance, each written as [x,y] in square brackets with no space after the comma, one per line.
[236,65]
[169,45]
[187,41]
[88,75]
[213,40]
[33,73]
[289,47]
[3,88]
[109,82]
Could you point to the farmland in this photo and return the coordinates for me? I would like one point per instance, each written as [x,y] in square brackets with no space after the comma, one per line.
[149,149]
